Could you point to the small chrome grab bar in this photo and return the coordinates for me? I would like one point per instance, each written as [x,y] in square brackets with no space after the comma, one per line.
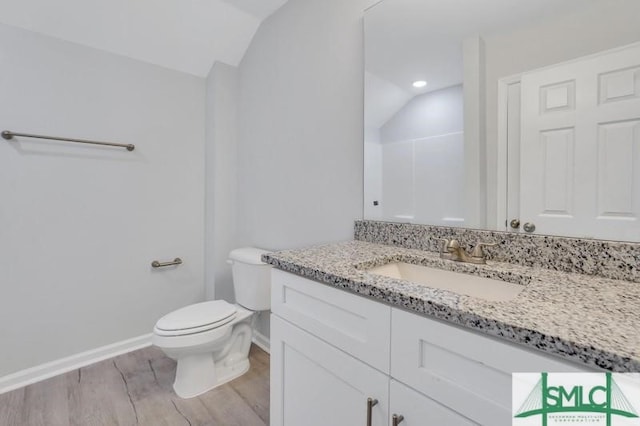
[8,135]
[176,261]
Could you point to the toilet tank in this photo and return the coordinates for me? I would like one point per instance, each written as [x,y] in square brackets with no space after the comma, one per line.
[251,278]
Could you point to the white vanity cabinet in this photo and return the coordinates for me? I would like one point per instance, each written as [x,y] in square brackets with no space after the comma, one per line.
[329,354]
[331,350]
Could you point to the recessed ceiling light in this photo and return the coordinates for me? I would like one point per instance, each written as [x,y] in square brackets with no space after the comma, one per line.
[420,83]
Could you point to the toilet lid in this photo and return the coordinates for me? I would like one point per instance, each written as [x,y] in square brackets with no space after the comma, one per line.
[198,316]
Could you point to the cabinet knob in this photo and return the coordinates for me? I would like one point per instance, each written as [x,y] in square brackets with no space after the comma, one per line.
[529,227]
[396,419]
[515,223]
[370,404]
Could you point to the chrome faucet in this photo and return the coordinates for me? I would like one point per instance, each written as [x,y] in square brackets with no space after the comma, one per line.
[452,250]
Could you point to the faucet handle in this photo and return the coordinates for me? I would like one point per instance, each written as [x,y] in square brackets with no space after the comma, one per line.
[453,244]
[445,244]
[479,252]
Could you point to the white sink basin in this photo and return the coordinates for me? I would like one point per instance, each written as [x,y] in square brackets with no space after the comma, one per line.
[465,284]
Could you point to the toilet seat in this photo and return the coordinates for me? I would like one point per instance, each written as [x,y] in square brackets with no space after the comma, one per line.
[196,318]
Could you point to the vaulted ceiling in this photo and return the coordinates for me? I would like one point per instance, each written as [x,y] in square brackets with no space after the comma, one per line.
[184,35]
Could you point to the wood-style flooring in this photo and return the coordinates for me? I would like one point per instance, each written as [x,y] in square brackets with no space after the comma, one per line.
[136,389]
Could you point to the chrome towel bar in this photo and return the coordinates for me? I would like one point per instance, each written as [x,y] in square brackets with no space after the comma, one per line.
[157,264]
[8,135]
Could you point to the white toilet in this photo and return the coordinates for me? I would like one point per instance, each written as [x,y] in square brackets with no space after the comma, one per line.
[211,340]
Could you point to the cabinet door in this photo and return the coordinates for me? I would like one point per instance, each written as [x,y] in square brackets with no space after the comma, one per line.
[315,384]
[419,410]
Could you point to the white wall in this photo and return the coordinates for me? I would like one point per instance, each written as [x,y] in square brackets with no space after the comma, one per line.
[221,188]
[300,149]
[430,114]
[475,140]
[300,153]
[398,181]
[81,224]
[422,164]
[382,99]
[595,27]
[372,173]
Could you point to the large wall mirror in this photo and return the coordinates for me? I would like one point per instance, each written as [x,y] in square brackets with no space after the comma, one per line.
[511,115]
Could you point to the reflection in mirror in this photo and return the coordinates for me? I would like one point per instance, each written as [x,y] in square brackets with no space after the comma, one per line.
[530,115]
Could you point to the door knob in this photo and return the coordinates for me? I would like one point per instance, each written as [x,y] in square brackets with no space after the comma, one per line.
[529,227]
[515,223]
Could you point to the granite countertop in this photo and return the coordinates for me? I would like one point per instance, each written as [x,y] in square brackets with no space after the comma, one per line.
[583,318]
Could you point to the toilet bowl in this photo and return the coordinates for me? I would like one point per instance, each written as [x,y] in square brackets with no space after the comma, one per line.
[211,340]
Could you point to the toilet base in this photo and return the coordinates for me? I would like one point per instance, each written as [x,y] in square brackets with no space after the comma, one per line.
[197,374]
[210,358]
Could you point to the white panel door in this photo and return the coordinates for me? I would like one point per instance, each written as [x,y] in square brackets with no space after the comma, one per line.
[315,384]
[580,147]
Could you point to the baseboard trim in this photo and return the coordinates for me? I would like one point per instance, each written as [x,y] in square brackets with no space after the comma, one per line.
[261,341]
[45,371]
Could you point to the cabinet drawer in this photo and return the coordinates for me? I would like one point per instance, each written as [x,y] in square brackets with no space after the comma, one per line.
[465,370]
[356,325]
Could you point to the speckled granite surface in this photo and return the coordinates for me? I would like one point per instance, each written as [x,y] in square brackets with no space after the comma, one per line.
[592,320]
[609,259]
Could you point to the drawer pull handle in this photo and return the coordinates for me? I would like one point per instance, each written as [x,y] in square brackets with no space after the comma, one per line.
[396,419]
[370,404]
